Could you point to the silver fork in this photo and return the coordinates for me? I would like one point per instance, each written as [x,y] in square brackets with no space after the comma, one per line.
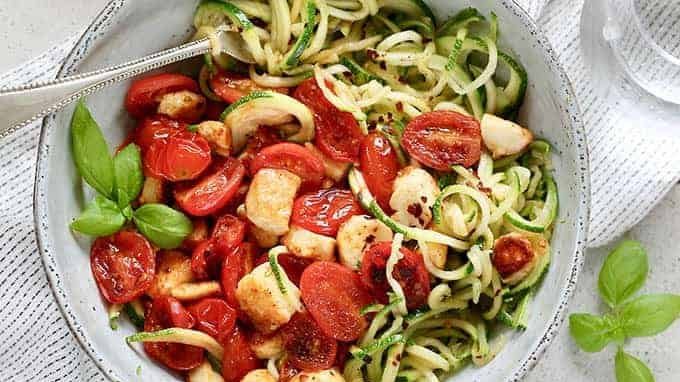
[24,104]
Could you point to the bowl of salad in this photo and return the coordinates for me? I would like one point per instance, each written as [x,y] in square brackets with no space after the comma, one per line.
[394,190]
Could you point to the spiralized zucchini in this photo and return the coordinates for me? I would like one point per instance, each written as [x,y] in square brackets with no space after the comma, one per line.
[386,62]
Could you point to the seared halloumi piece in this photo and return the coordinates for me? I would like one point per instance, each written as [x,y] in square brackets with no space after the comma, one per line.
[269,202]
[217,134]
[259,375]
[266,347]
[355,234]
[173,268]
[309,245]
[153,191]
[261,299]
[204,373]
[333,169]
[415,191]
[184,105]
[330,375]
[503,137]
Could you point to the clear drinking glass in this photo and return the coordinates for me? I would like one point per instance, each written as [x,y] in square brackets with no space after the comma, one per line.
[632,48]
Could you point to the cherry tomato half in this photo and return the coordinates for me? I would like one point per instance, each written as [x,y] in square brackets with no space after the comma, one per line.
[334,296]
[144,94]
[294,158]
[206,261]
[239,359]
[307,347]
[511,253]
[153,128]
[323,211]
[231,86]
[380,166]
[123,266]
[294,266]
[214,317]
[441,139]
[168,312]
[410,273]
[337,132]
[228,233]
[181,156]
[213,190]
[231,273]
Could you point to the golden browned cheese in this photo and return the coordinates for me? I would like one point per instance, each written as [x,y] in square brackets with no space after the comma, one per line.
[173,268]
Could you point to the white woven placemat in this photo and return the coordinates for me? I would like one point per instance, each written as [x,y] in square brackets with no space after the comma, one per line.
[35,342]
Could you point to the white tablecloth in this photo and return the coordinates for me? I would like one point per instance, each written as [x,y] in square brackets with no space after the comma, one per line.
[35,342]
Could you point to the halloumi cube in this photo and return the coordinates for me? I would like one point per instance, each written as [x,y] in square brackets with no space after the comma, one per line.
[355,234]
[269,202]
[330,375]
[184,105]
[261,299]
[258,375]
[309,245]
[173,268]
[503,137]
[415,191]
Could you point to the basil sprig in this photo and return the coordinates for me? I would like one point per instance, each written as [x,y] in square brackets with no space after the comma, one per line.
[623,273]
[118,181]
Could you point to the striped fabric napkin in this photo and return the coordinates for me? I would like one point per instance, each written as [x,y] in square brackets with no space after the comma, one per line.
[35,342]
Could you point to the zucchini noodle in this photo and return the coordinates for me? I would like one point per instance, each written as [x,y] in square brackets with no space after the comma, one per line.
[386,62]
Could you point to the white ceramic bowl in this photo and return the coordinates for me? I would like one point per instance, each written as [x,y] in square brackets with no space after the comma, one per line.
[129,29]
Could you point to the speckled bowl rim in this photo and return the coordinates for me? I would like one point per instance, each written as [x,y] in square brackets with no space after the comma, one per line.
[96,30]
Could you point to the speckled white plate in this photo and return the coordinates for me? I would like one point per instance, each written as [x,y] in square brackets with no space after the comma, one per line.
[129,29]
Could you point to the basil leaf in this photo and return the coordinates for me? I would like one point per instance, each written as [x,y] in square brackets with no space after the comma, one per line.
[90,151]
[101,217]
[162,225]
[649,314]
[631,369]
[592,333]
[128,174]
[623,273]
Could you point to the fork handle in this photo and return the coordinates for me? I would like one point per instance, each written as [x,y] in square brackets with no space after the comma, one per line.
[24,104]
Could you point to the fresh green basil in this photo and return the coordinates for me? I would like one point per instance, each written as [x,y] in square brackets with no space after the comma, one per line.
[631,369]
[162,225]
[90,152]
[129,179]
[623,273]
[592,333]
[101,217]
[649,314]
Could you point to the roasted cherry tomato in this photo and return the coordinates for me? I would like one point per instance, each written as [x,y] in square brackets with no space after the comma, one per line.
[410,273]
[307,347]
[181,156]
[287,371]
[380,166]
[214,316]
[294,158]
[231,86]
[263,137]
[123,266]
[441,139]
[294,266]
[231,273]
[337,132]
[323,211]
[239,359]
[511,253]
[228,233]
[206,261]
[168,312]
[334,296]
[144,95]
[153,128]
[212,191]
